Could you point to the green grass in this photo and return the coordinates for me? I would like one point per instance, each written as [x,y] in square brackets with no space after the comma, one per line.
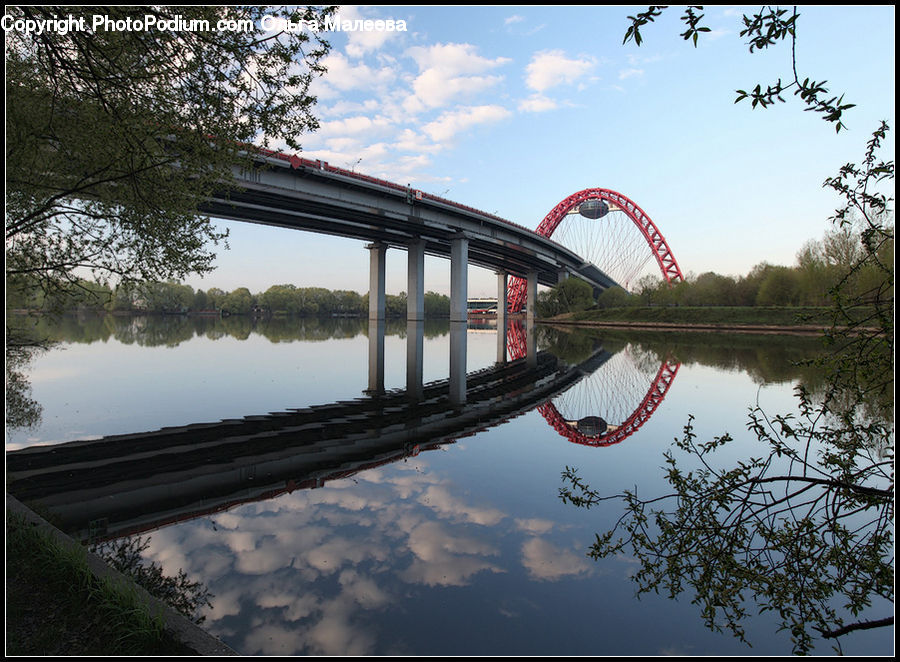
[57,606]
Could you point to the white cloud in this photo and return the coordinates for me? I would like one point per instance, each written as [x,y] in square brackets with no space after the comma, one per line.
[295,606]
[535,525]
[345,75]
[344,107]
[361,42]
[411,141]
[362,590]
[453,59]
[358,124]
[335,635]
[537,103]
[548,562]
[445,558]
[550,68]
[410,167]
[434,89]
[629,73]
[448,71]
[511,25]
[373,117]
[441,500]
[450,123]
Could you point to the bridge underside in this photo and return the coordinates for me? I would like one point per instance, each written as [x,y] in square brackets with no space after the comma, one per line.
[377,228]
[304,198]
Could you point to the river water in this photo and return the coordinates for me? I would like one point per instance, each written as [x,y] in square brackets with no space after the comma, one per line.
[415,532]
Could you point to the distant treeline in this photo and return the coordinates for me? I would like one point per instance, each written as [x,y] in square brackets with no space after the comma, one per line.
[171,330]
[173,297]
[821,265]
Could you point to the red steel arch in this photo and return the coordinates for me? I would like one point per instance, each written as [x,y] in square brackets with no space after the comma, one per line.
[655,394]
[659,386]
[655,240]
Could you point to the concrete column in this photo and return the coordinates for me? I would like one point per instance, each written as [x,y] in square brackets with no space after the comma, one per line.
[459,278]
[458,362]
[502,303]
[377,256]
[376,357]
[531,296]
[502,284]
[415,290]
[530,343]
[501,341]
[562,275]
[415,335]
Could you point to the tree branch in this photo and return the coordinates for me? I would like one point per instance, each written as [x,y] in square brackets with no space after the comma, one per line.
[863,625]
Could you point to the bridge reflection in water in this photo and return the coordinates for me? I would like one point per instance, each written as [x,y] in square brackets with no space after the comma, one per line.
[128,484]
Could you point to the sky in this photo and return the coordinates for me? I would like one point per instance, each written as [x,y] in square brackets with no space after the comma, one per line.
[512,109]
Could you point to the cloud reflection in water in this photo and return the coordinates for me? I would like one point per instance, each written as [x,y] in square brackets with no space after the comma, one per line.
[311,572]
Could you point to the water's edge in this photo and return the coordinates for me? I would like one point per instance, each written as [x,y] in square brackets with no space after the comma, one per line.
[182,628]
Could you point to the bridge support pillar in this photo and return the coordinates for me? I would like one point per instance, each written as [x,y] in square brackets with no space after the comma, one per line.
[377,256]
[562,275]
[458,362]
[502,303]
[459,278]
[531,296]
[531,343]
[502,284]
[415,334]
[415,290]
[376,357]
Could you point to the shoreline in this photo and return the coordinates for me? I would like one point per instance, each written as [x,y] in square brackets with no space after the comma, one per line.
[181,631]
[770,329]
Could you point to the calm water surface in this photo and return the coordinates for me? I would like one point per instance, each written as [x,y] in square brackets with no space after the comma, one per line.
[460,547]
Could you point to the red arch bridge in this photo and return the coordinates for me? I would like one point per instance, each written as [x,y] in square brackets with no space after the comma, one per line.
[598,235]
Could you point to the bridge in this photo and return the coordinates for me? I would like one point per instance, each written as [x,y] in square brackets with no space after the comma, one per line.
[303,194]
[137,482]
[145,479]
[292,192]
[133,483]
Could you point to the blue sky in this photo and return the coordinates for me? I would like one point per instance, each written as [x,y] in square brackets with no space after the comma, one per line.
[511,109]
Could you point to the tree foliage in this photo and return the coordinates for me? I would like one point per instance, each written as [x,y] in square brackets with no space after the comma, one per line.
[115,137]
[22,411]
[864,347]
[179,592]
[569,296]
[615,297]
[821,266]
[762,30]
[804,527]
[173,297]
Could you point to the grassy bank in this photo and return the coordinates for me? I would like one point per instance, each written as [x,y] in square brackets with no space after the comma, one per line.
[711,317]
[56,605]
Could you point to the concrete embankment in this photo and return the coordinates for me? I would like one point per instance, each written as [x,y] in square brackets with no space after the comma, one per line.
[178,626]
